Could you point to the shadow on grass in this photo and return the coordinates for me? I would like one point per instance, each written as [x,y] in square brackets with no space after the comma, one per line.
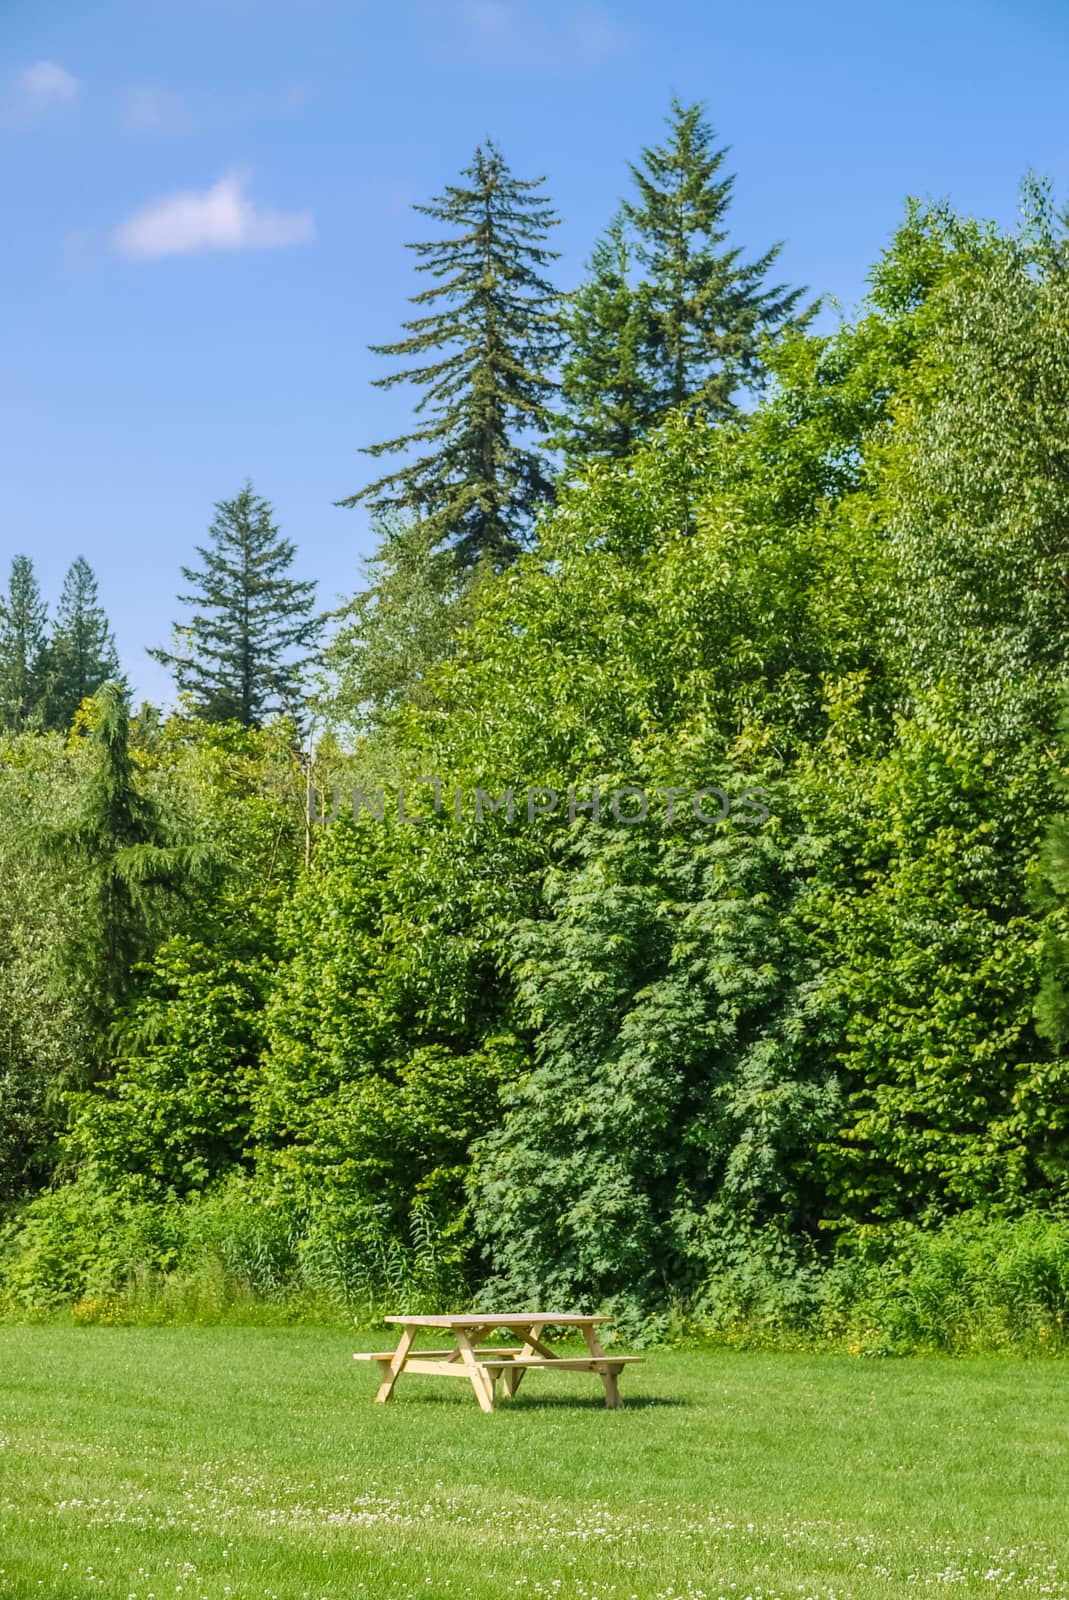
[639,1402]
[550,1402]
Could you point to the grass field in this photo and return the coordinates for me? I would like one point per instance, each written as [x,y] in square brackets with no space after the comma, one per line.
[250,1462]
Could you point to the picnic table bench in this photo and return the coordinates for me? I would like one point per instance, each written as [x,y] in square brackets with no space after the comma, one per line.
[482,1365]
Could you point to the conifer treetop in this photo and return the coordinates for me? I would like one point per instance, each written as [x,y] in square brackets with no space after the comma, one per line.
[710,307]
[241,654]
[482,349]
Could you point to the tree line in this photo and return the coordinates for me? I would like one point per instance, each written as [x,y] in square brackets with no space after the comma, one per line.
[46,672]
[713,1068]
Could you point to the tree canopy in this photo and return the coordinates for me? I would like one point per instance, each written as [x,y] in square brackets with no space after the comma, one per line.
[668,1058]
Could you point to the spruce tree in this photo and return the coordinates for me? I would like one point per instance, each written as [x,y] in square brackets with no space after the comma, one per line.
[486,341]
[709,308]
[242,648]
[82,653]
[671,316]
[605,386]
[22,648]
[129,870]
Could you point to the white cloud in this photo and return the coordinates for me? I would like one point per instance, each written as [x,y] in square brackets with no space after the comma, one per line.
[46,84]
[36,91]
[219,218]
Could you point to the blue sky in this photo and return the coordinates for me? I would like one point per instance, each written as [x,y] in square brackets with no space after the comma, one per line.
[206,203]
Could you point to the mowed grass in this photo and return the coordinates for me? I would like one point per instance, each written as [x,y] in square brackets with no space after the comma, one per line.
[251,1462]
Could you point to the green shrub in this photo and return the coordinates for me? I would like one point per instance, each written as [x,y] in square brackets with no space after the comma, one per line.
[76,1240]
[233,1250]
[976,1284]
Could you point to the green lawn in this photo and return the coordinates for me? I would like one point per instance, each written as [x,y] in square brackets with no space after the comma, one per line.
[250,1462]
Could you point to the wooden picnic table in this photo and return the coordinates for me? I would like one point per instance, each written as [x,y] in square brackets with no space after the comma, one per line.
[482,1365]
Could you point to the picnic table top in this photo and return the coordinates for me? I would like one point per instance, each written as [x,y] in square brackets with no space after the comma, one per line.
[490,1319]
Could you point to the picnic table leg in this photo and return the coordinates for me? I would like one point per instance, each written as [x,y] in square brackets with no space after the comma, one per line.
[392,1374]
[481,1380]
[514,1376]
[610,1375]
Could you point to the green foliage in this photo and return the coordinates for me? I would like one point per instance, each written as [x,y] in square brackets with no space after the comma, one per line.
[604,382]
[780,1070]
[178,1111]
[240,1245]
[79,1240]
[979,1284]
[931,958]
[392,636]
[240,654]
[128,871]
[81,655]
[669,991]
[671,315]
[976,473]
[23,649]
[388,1029]
[44,1039]
[1050,896]
[488,336]
[976,1285]
[709,308]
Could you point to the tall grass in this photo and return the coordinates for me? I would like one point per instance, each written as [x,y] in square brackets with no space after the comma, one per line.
[978,1284]
[236,1254]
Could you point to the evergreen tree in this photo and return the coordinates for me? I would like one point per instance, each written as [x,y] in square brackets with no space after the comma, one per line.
[487,336]
[82,655]
[242,659]
[128,869]
[709,307]
[605,385]
[671,315]
[22,648]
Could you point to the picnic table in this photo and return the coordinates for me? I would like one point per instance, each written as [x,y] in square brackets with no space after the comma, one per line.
[482,1365]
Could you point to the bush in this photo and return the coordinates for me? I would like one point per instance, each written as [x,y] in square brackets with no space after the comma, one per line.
[983,1285]
[76,1240]
[239,1249]
[977,1284]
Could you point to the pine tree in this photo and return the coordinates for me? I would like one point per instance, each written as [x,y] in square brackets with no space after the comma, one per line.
[22,648]
[242,657]
[605,385]
[82,653]
[491,335]
[709,307]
